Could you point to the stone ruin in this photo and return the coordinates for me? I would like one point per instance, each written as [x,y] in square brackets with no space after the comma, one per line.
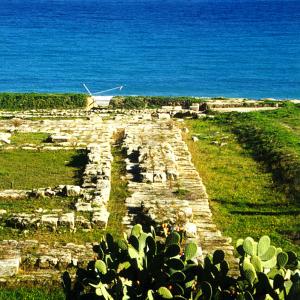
[163,183]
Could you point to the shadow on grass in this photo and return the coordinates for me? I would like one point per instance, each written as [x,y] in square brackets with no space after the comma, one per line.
[252,205]
[265,213]
[79,162]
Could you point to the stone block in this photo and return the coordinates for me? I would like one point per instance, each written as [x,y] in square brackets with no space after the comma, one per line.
[83,206]
[72,190]
[59,138]
[191,230]
[67,220]
[9,267]
[100,218]
[5,137]
[50,221]
[164,116]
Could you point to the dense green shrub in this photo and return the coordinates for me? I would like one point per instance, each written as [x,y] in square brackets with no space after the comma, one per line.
[140,102]
[142,266]
[24,101]
[270,143]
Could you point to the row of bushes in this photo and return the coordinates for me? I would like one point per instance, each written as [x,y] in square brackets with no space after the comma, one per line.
[141,102]
[142,266]
[23,101]
[270,143]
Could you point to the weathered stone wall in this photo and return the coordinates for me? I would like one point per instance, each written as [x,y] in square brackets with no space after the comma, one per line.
[164,187]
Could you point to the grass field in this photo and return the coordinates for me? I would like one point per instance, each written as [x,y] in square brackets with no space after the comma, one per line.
[32,294]
[21,138]
[116,205]
[243,197]
[20,169]
[118,194]
[29,205]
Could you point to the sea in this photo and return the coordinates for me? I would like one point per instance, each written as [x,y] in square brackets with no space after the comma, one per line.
[229,48]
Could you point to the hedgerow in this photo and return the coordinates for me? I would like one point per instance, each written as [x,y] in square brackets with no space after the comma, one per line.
[22,101]
[140,102]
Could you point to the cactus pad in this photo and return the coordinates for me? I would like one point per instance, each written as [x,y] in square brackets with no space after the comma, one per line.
[173,238]
[250,276]
[172,250]
[282,259]
[248,246]
[271,253]
[190,251]
[218,257]
[178,277]
[263,245]
[101,266]
[151,244]
[256,262]
[164,293]
[136,230]
[206,290]
[175,263]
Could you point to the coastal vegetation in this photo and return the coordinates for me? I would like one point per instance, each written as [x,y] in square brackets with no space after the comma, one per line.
[141,102]
[140,266]
[250,171]
[23,101]
[273,139]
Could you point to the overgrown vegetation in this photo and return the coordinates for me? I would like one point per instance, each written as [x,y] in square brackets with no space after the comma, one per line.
[119,191]
[36,138]
[144,267]
[273,138]
[20,169]
[31,293]
[141,102]
[23,101]
[30,205]
[243,197]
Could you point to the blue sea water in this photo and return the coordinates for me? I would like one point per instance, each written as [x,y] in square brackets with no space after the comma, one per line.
[243,48]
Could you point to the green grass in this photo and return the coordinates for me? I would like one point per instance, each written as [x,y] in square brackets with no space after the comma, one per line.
[119,192]
[272,142]
[22,293]
[116,208]
[20,169]
[29,205]
[23,101]
[243,197]
[36,138]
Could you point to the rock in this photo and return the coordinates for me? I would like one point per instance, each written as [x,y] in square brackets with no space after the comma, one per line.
[67,220]
[9,267]
[191,230]
[72,190]
[83,206]
[100,218]
[45,262]
[5,137]
[23,221]
[82,222]
[195,139]
[57,138]
[50,221]
[188,211]
[164,116]
[194,107]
